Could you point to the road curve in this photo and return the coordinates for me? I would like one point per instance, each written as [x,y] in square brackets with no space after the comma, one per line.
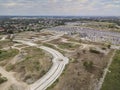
[59,62]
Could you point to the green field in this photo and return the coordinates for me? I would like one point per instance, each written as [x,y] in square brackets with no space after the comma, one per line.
[112,80]
[7,54]
[69,46]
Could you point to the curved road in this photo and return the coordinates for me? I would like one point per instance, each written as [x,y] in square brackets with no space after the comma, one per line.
[59,62]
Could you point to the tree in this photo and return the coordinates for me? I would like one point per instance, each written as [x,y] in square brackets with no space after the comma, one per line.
[109,46]
[10,32]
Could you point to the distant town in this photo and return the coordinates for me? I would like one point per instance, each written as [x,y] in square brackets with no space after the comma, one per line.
[69,25]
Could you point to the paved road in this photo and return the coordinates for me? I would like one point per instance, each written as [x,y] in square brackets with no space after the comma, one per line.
[59,62]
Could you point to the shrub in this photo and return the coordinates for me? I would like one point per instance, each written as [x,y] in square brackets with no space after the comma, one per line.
[109,46]
[10,67]
[94,51]
[88,65]
[103,48]
[3,79]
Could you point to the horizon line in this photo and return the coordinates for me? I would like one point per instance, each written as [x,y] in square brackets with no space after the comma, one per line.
[68,15]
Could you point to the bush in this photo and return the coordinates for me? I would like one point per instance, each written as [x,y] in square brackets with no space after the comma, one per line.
[88,65]
[103,48]
[7,54]
[3,79]
[94,51]
[10,67]
[109,46]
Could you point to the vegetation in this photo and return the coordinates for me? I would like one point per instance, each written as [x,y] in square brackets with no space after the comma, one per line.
[109,46]
[7,54]
[33,66]
[2,79]
[76,76]
[9,67]
[54,84]
[100,25]
[68,46]
[6,43]
[88,65]
[112,80]
[94,51]
[52,46]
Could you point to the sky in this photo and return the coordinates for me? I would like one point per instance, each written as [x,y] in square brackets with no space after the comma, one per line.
[60,7]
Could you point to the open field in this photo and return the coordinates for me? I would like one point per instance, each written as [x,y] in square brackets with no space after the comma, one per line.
[87,59]
[6,43]
[52,46]
[76,76]
[34,35]
[100,26]
[64,45]
[33,66]
[60,52]
[112,80]
[68,46]
[7,55]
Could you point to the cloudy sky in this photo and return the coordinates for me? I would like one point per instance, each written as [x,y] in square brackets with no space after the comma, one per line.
[60,7]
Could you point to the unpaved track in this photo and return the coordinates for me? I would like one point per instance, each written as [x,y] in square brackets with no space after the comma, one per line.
[3,38]
[11,80]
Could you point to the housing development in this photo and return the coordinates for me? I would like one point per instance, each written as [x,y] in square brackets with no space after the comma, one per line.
[59,53]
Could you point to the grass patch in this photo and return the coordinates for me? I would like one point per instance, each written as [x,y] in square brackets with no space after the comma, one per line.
[9,67]
[6,43]
[53,47]
[7,54]
[35,64]
[68,46]
[112,80]
[71,39]
[94,51]
[2,79]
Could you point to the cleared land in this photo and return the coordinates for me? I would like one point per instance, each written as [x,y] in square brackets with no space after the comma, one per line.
[64,45]
[6,43]
[112,80]
[81,76]
[101,26]
[7,55]
[86,66]
[34,65]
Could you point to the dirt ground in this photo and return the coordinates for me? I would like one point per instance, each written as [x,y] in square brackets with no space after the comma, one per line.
[34,65]
[76,77]
[36,62]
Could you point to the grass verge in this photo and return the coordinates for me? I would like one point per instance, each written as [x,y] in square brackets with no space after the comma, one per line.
[112,80]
